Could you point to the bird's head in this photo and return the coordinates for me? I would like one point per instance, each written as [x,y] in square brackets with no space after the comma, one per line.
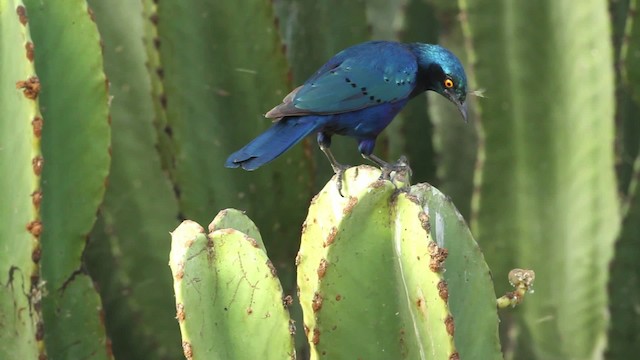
[441,71]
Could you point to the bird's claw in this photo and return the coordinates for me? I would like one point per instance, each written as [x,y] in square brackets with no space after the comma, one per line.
[400,170]
[339,169]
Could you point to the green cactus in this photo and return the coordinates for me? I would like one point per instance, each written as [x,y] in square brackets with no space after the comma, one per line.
[229,300]
[546,195]
[139,202]
[75,147]
[373,278]
[20,163]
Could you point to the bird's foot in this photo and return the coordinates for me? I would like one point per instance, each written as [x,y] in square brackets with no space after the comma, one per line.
[339,169]
[399,173]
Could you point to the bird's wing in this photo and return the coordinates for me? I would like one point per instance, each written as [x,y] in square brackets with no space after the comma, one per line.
[358,77]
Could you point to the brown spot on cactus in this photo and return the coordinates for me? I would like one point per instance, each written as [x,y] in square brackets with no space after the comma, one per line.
[287,301]
[37,123]
[322,269]
[306,330]
[29,48]
[156,43]
[22,15]
[338,297]
[424,221]
[154,18]
[448,322]
[180,315]
[331,237]
[438,256]
[30,87]
[454,356]
[253,242]
[292,328]
[35,228]
[298,258]
[350,204]
[249,311]
[316,337]
[443,291]
[39,331]
[180,273]
[36,254]
[316,302]
[91,14]
[272,268]
[187,350]
[377,184]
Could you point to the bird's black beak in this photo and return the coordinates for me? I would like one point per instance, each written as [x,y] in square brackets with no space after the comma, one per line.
[462,106]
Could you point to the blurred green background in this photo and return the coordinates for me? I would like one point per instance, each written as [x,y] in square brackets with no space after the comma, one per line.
[140,102]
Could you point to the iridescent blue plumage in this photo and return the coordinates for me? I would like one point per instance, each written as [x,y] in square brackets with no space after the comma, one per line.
[356,93]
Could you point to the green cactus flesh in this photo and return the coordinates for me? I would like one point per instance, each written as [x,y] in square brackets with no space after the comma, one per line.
[228,298]
[373,281]
[139,205]
[20,165]
[236,219]
[75,146]
[546,196]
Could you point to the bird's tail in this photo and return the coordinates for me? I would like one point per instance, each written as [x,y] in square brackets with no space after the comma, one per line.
[273,142]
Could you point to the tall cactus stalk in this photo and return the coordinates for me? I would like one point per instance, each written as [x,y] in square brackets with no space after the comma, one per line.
[75,147]
[21,323]
[547,195]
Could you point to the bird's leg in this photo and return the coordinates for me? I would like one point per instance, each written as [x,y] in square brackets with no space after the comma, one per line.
[324,141]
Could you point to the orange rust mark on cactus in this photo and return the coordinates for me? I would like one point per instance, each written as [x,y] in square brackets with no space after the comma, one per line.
[377,184]
[316,336]
[306,330]
[448,322]
[331,237]
[35,228]
[180,314]
[91,14]
[438,256]
[350,204]
[36,198]
[249,311]
[37,124]
[443,291]
[156,43]
[39,331]
[30,87]
[36,254]
[180,273]
[322,269]
[338,297]
[424,221]
[316,302]
[454,356]
[272,268]
[252,241]
[22,15]
[287,301]
[29,48]
[187,350]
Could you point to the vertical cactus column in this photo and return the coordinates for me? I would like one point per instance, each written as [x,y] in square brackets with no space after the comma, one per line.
[20,165]
[75,147]
[547,197]
[375,281]
[229,300]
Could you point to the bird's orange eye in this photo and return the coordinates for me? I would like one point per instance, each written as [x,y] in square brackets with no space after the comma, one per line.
[448,83]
